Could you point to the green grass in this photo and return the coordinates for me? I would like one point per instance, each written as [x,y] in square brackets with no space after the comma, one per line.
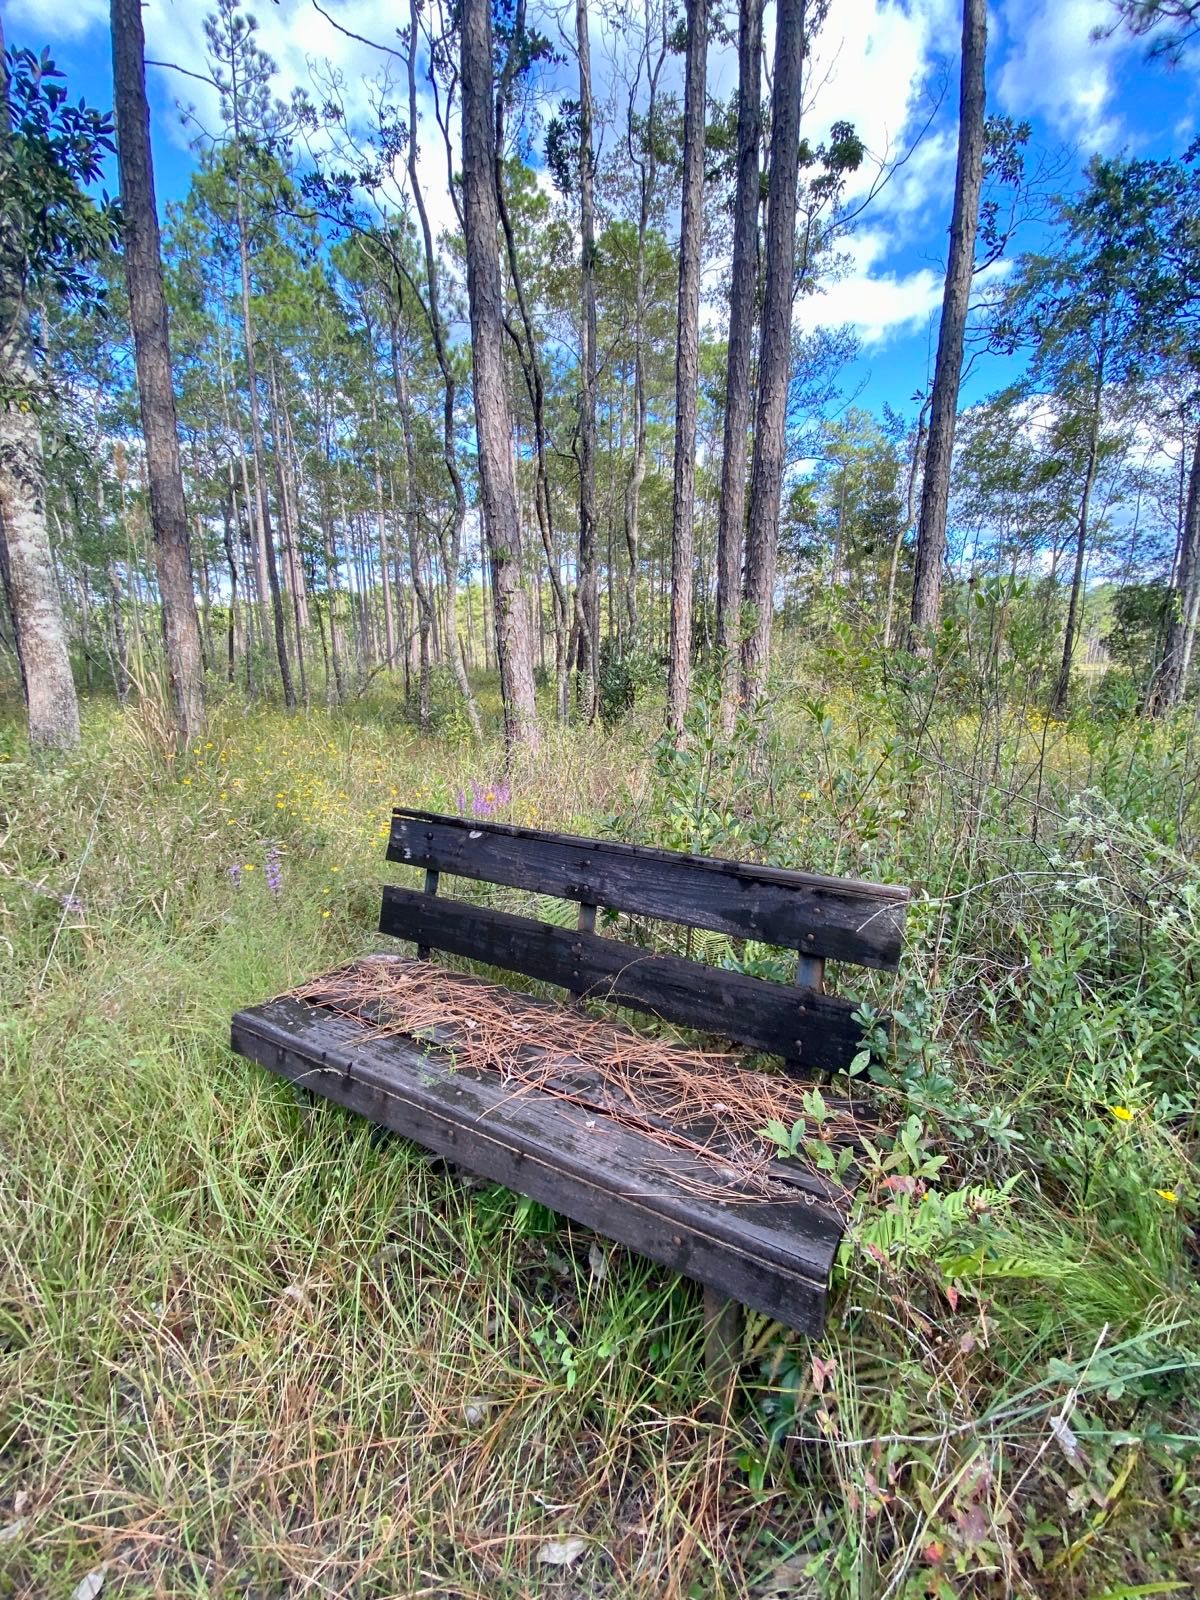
[247,1348]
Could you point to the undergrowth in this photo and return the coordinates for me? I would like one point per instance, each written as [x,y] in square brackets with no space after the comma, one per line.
[248,1348]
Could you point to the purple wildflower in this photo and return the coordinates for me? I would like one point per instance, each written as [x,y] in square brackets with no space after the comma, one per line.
[274,871]
[462,803]
[487,798]
[235,876]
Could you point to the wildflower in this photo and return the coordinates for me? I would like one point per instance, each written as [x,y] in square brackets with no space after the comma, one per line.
[235,875]
[325,913]
[274,871]
[486,798]
[249,867]
[1168,1195]
[1122,1113]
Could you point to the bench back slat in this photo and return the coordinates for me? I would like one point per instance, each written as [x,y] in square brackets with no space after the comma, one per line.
[810,1030]
[816,916]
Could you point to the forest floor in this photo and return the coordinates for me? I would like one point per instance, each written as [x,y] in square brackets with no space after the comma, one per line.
[248,1350]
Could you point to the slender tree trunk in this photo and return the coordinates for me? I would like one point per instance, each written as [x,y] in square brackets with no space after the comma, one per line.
[416,565]
[493,423]
[647,167]
[256,431]
[26,560]
[687,366]
[227,516]
[968,182]
[914,468]
[331,589]
[445,366]
[588,589]
[116,599]
[731,516]
[1063,686]
[152,349]
[774,347]
[1170,682]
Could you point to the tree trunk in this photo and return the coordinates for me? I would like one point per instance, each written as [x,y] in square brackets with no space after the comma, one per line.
[647,167]
[493,423]
[947,372]
[774,347]
[1170,682]
[152,351]
[26,560]
[227,516]
[445,366]
[743,293]
[416,569]
[256,432]
[331,589]
[914,468]
[1063,686]
[687,366]
[588,589]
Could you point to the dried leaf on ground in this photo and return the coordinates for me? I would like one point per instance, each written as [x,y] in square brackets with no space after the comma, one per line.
[561,1552]
[88,1588]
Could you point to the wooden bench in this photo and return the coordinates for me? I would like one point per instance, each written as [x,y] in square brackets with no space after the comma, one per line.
[572,1149]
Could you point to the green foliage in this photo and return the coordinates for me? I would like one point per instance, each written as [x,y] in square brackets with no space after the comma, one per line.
[52,232]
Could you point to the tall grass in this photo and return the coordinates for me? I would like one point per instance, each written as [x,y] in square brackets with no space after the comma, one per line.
[249,1348]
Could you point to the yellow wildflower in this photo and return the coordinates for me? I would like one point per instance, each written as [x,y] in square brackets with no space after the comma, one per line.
[249,867]
[1168,1195]
[1122,1113]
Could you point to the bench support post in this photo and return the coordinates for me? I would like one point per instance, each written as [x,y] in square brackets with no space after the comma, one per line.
[722,1346]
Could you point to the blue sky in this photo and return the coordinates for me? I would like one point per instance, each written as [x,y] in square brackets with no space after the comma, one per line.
[879,64]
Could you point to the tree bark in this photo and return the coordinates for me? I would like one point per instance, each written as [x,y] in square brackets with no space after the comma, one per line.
[1170,681]
[493,422]
[1063,685]
[968,182]
[774,347]
[647,168]
[256,432]
[589,606]
[445,366]
[743,293]
[914,468]
[152,352]
[26,560]
[687,366]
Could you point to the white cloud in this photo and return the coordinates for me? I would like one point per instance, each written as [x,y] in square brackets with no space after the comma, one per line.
[1055,69]
[871,66]
[878,304]
[880,65]
[47,21]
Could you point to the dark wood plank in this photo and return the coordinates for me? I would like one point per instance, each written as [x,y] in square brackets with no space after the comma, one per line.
[817,916]
[774,1257]
[816,1031]
[655,1105]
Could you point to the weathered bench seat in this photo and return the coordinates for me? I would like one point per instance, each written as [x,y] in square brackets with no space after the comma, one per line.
[665,1184]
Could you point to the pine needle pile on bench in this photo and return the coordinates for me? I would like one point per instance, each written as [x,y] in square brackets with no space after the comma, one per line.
[654,1145]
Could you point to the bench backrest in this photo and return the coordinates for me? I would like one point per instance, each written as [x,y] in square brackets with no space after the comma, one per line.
[818,917]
